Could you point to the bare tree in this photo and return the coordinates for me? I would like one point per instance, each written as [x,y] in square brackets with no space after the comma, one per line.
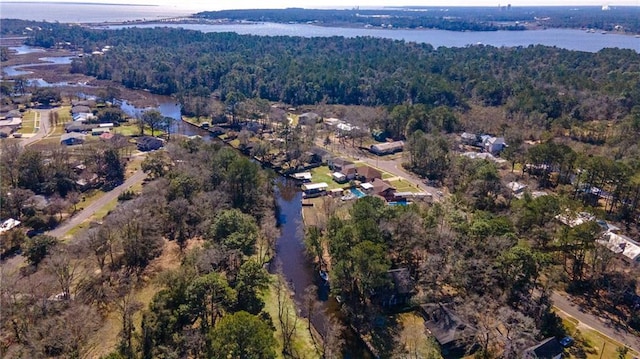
[333,339]
[63,268]
[287,317]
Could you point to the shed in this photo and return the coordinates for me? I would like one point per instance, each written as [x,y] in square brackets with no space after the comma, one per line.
[470,139]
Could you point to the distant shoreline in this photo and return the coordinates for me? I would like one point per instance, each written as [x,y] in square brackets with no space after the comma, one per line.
[77,3]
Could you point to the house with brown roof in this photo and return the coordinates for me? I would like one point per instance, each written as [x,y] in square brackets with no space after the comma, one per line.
[368,174]
[383,189]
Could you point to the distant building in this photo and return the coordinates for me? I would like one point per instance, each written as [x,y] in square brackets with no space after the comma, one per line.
[620,244]
[387,148]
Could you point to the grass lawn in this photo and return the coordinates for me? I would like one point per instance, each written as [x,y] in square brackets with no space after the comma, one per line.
[28,123]
[127,130]
[413,337]
[590,342]
[323,174]
[402,185]
[303,345]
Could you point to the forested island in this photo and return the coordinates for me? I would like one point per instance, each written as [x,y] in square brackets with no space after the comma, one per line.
[179,263]
[510,18]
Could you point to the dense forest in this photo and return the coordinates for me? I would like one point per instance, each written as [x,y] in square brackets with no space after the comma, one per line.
[538,86]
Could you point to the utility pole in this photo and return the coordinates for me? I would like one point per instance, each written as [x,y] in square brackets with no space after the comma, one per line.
[604,344]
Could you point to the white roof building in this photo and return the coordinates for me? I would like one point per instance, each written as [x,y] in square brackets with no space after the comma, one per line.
[621,244]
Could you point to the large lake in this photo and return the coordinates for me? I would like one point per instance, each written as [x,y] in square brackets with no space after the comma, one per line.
[563,38]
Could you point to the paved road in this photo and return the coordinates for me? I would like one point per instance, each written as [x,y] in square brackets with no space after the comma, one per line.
[43,130]
[603,325]
[86,213]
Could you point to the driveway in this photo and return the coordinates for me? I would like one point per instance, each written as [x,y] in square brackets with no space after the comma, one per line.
[603,325]
[90,210]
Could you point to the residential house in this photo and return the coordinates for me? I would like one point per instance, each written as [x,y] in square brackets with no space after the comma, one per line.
[494,145]
[451,332]
[383,189]
[470,139]
[620,244]
[350,171]
[337,164]
[319,155]
[72,138]
[368,174]
[308,119]
[11,123]
[80,109]
[305,177]
[77,126]
[148,143]
[310,190]
[387,148]
[549,348]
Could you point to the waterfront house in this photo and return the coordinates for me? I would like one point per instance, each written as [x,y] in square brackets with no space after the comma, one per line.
[383,189]
[387,148]
[72,138]
[148,143]
[302,176]
[310,190]
[451,332]
[549,348]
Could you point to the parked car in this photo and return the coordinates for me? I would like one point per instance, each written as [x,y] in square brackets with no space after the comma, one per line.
[566,341]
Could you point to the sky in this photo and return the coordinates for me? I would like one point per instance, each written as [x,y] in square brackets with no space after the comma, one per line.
[256,4]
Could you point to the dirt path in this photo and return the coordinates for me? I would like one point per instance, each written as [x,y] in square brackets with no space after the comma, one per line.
[603,325]
[86,213]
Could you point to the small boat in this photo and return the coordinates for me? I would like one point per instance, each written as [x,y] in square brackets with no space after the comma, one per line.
[339,299]
[324,275]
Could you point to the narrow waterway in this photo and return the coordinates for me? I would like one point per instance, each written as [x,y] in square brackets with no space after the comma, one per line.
[295,266]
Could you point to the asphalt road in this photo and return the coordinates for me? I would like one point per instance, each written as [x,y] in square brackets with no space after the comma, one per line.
[604,325]
[89,211]
[43,130]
